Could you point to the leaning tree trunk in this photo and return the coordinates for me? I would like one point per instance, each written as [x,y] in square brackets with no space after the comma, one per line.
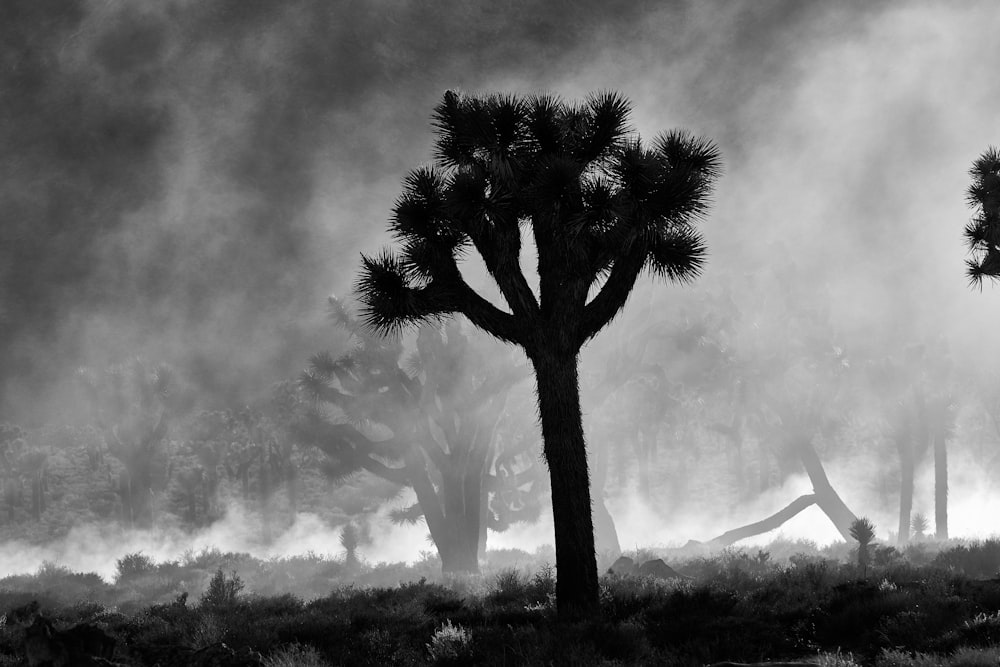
[823,495]
[940,486]
[557,378]
[772,522]
[827,497]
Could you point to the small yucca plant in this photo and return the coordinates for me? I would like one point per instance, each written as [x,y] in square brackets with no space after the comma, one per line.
[863,531]
[919,524]
[349,539]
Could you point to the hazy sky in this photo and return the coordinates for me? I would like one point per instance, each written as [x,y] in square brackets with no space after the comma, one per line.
[189,179]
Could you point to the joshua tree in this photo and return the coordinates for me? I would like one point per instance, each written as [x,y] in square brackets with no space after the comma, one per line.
[601,207]
[426,421]
[131,405]
[863,531]
[349,539]
[982,234]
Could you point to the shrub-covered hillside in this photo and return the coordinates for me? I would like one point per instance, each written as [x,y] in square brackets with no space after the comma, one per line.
[936,605]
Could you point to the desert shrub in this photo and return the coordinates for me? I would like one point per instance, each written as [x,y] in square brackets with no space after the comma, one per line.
[222,591]
[976,559]
[131,566]
[330,635]
[983,629]
[508,585]
[271,606]
[836,659]
[854,612]
[439,601]
[709,623]
[975,657]
[918,553]
[502,559]
[295,655]
[63,584]
[624,597]
[962,657]
[450,645]
[624,642]
[541,590]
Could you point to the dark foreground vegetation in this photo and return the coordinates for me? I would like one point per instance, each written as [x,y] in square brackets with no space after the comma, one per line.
[934,604]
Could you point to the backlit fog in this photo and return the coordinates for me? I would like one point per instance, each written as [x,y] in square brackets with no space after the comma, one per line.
[189,181]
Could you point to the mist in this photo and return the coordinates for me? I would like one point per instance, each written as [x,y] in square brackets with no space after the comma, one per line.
[188,181]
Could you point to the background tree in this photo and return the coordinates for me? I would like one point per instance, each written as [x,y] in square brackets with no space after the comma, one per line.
[863,531]
[600,205]
[131,405]
[982,234]
[795,395]
[426,421]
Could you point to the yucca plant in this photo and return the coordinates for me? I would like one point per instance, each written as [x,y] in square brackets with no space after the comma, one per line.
[863,531]
[350,539]
[919,524]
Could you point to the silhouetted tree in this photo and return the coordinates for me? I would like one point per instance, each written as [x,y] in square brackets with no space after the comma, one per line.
[131,404]
[982,234]
[426,421]
[794,396]
[863,531]
[601,207]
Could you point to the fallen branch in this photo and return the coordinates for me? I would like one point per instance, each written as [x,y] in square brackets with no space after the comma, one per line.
[764,525]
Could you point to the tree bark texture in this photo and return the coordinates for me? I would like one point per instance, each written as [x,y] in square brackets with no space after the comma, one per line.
[565,452]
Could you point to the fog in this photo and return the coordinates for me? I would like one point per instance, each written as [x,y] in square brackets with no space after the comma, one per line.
[188,181]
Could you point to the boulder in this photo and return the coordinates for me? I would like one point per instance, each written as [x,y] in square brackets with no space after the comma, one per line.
[623,566]
[659,570]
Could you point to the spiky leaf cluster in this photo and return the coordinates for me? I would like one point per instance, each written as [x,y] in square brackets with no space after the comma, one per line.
[863,530]
[601,204]
[982,233]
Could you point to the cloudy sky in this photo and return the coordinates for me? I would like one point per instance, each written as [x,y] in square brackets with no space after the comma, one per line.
[188,180]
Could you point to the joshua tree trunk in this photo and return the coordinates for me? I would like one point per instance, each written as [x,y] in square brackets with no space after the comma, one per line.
[645,442]
[605,534]
[823,495]
[763,468]
[37,497]
[453,516]
[462,498]
[291,486]
[566,455]
[906,466]
[826,496]
[940,486]
[765,525]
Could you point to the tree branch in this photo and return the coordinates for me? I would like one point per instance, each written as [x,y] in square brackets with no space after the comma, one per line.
[395,475]
[484,314]
[613,294]
[503,263]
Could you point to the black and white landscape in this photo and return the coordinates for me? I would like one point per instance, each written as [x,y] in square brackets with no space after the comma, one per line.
[616,333]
